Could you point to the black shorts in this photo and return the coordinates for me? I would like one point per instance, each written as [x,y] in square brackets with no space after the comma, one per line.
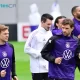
[40,76]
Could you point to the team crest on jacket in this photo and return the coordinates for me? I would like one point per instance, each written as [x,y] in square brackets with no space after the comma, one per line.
[4,54]
[67,45]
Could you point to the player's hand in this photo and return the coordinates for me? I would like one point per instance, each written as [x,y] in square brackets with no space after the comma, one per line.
[3,73]
[15,78]
[79,55]
[58,60]
[79,36]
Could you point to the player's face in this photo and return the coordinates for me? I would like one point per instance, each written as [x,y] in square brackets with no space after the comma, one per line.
[59,24]
[77,12]
[47,24]
[67,30]
[4,35]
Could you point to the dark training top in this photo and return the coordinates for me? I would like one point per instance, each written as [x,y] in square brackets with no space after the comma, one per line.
[65,47]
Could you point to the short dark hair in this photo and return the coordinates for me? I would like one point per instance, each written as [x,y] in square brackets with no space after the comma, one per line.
[46,16]
[67,21]
[73,9]
[57,20]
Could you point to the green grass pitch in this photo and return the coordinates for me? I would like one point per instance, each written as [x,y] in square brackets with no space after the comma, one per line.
[22,63]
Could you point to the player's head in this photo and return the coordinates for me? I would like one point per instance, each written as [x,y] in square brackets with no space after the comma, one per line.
[76,12]
[58,21]
[46,21]
[67,27]
[4,33]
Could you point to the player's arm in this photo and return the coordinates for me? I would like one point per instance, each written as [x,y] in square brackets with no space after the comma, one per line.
[46,51]
[78,49]
[13,64]
[31,50]
[14,76]
[77,57]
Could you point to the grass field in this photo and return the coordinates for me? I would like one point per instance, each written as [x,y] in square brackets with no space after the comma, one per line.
[22,63]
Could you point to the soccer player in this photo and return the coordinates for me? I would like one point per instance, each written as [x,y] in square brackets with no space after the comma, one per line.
[7,56]
[34,45]
[61,52]
[76,14]
[57,25]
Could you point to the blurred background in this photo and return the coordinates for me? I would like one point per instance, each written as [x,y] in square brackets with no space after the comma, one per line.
[22,17]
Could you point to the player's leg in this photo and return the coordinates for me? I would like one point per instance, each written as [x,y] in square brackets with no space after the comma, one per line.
[45,76]
[37,76]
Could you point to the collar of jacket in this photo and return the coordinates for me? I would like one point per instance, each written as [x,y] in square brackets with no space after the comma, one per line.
[42,30]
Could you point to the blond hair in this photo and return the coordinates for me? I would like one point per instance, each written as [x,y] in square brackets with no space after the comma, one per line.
[3,27]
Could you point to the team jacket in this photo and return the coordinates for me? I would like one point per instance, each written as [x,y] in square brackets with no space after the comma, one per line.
[76,30]
[33,47]
[65,47]
[7,60]
[56,31]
